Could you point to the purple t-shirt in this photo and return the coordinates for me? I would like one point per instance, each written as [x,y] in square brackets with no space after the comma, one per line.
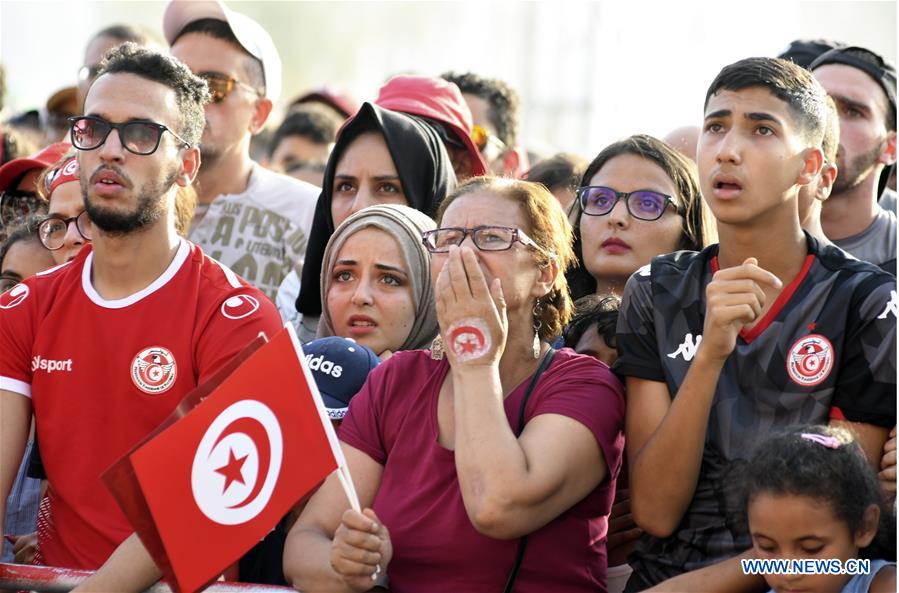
[436,548]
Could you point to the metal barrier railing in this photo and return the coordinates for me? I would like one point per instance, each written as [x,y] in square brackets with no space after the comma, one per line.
[49,579]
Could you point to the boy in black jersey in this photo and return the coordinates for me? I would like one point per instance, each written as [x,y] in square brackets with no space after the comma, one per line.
[764,330]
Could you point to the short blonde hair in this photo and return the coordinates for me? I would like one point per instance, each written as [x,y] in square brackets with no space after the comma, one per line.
[548,226]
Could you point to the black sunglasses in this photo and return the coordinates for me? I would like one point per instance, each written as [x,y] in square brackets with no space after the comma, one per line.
[90,132]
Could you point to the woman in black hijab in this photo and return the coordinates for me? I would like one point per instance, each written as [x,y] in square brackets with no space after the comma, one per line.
[424,171]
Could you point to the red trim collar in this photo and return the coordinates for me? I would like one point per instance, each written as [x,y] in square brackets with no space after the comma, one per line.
[785,295]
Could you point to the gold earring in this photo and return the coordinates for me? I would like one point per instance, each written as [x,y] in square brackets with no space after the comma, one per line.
[437,348]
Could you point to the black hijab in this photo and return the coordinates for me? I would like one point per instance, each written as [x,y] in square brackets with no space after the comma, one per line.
[423,166]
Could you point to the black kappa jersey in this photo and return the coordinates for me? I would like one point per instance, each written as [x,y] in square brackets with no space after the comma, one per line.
[826,349]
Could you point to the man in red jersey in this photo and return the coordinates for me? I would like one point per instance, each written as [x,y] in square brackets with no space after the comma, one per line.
[103,348]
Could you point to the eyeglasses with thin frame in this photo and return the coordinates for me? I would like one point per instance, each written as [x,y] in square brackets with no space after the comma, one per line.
[53,229]
[142,137]
[485,238]
[482,138]
[220,86]
[598,200]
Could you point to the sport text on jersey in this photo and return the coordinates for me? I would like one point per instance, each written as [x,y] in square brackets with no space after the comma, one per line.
[39,363]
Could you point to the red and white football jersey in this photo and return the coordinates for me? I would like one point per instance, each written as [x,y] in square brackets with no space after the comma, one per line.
[103,374]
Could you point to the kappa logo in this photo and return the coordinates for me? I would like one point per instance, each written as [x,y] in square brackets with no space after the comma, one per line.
[687,348]
[810,360]
[237,463]
[153,370]
[892,306]
[16,295]
[238,307]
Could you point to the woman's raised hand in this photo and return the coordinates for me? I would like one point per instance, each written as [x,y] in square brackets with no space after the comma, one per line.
[472,316]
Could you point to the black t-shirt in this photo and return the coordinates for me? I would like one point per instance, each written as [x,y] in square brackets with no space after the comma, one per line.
[826,349]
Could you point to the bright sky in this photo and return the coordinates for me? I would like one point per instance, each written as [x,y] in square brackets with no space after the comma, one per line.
[588,72]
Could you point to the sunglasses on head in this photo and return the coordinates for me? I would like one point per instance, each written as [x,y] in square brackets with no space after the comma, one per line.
[220,86]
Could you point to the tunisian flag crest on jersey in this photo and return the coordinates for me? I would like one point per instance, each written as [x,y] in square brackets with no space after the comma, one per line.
[217,476]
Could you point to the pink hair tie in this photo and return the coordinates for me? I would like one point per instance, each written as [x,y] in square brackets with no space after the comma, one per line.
[827,441]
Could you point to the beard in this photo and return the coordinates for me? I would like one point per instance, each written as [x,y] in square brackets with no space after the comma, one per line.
[853,173]
[209,155]
[209,152]
[151,206]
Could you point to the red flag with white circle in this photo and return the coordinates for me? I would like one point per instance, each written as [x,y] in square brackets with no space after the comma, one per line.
[219,479]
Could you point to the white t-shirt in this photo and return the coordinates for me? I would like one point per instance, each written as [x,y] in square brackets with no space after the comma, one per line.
[260,234]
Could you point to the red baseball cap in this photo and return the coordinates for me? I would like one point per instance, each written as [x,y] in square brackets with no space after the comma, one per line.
[437,99]
[12,171]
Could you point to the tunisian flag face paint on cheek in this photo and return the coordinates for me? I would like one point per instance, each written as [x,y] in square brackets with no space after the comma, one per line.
[218,480]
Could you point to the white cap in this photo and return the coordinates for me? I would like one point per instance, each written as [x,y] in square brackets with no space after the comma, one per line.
[250,34]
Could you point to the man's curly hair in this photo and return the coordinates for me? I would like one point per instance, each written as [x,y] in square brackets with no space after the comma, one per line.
[191,92]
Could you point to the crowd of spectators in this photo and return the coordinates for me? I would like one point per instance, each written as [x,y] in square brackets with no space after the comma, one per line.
[627,371]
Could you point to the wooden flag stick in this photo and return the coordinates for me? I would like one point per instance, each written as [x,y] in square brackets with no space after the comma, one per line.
[348,488]
[343,473]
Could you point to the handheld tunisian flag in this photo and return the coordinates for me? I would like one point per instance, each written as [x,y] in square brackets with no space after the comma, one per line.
[207,486]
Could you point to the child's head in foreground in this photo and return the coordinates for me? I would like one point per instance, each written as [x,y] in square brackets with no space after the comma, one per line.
[810,493]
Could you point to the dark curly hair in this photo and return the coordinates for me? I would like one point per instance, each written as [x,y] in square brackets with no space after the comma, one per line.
[191,92]
[841,477]
[593,312]
[505,106]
